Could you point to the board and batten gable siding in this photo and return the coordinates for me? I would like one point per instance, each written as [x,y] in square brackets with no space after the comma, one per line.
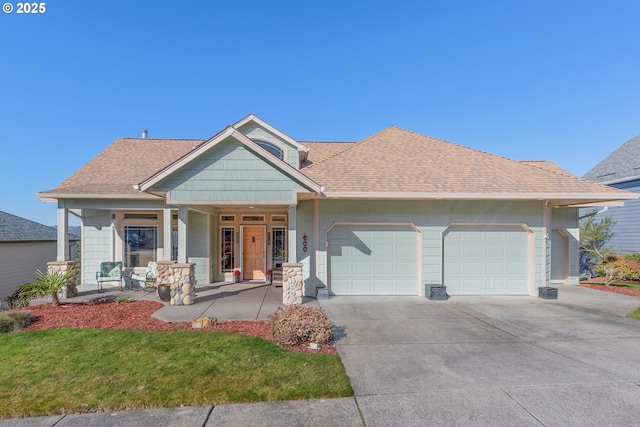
[230,173]
[255,132]
[19,262]
[626,239]
[95,246]
[431,217]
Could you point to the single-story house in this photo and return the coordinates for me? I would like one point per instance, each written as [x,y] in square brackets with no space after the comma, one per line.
[382,216]
[26,246]
[621,169]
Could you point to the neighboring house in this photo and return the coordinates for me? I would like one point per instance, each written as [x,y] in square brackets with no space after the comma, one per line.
[621,169]
[25,246]
[382,216]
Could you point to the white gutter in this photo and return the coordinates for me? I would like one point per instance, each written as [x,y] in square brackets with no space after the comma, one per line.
[603,210]
[619,180]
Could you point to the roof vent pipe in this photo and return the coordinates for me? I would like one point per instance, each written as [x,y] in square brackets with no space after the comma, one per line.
[144,134]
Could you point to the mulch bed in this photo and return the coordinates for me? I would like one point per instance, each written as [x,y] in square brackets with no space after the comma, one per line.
[137,315]
[615,289]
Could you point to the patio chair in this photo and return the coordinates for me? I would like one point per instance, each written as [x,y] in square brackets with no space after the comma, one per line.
[109,272]
[148,279]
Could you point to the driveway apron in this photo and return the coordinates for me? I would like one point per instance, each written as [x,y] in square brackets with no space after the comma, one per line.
[492,360]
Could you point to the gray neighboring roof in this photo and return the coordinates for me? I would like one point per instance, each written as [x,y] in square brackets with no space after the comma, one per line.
[622,163]
[14,228]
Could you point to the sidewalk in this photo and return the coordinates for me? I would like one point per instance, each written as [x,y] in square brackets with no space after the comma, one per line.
[341,412]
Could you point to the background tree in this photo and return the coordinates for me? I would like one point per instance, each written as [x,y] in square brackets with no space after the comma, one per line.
[595,234]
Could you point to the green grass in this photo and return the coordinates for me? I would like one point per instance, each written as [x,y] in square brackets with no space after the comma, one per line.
[634,314]
[80,370]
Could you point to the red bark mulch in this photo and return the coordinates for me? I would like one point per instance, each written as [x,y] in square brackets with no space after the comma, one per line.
[137,315]
[616,289]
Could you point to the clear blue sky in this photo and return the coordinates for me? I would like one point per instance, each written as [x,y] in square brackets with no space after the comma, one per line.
[547,79]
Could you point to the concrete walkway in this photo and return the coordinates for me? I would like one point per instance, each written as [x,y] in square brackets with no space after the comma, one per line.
[222,300]
[468,361]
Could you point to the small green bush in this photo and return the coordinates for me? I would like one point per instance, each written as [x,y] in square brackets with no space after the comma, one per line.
[296,324]
[14,321]
[18,298]
[632,257]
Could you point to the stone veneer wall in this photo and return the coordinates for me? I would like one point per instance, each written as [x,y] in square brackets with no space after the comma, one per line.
[61,267]
[182,279]
[291,283]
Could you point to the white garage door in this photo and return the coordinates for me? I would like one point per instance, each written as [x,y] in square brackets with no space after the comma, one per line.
[485,261]
[373,260]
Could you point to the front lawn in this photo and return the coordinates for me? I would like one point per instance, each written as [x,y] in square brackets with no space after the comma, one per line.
[83,370]
[634,314]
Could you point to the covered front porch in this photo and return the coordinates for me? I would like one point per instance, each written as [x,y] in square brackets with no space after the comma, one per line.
[253,242]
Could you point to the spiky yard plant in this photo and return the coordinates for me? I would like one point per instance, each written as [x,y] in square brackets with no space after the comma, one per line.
[48,284]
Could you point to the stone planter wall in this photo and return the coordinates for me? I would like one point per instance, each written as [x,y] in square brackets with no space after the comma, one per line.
[62,267]
[182,279]
[291,283]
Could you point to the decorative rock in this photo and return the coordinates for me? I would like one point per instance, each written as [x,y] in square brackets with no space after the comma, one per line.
[203,322]
[186,300]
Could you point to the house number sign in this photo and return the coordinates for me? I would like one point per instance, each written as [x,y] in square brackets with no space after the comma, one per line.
[304,243]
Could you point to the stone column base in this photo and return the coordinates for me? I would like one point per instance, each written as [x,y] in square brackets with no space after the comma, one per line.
[61,267]
[291,283]
[181,277]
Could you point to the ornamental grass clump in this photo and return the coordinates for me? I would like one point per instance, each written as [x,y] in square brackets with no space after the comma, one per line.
[296,324]
[14,321]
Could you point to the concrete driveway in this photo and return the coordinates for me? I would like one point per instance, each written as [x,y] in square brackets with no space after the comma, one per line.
[498,361]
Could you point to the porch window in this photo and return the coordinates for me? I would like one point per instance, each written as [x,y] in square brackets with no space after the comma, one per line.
[278,248]
[141,244]
[174,243]
[227,251]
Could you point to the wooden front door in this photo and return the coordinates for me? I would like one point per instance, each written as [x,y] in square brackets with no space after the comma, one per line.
[253,254]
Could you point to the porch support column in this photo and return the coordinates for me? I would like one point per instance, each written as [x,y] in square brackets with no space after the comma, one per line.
[167,231]
[546,247]
[292,242]
[183,222]
[63,232]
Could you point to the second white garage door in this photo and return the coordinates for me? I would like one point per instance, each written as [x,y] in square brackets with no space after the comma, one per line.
[373,260]
[485,260]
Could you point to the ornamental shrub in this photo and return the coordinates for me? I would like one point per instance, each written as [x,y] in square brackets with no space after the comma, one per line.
[618,268]
[14,321]
[296,324]
[18,298]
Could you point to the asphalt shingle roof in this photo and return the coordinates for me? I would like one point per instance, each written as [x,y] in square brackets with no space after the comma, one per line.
[14,228]
[394,160]
[624,162]
[126,162]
